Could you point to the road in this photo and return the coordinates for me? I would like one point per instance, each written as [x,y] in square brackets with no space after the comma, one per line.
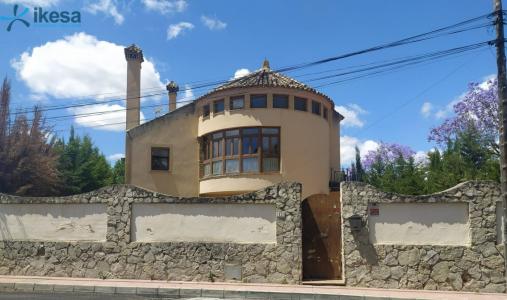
[70,296]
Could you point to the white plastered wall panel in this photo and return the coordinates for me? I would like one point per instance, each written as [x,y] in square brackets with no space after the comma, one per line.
[420,224]
[53,222]
[219,223]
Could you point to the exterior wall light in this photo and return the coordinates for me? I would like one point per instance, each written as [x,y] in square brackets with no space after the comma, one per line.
[355,222]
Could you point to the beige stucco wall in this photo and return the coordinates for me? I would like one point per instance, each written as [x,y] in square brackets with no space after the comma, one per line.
[179,133]
[230,185]
[420,224]
[309,146]
[53,222]
[218,223]
[306,142]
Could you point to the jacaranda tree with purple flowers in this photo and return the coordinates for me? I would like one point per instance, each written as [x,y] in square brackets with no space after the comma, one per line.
[468,143]
[477,108]
[388,153]
[392,167]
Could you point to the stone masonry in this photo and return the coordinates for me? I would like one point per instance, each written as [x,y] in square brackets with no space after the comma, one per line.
[479,267]
[117,257]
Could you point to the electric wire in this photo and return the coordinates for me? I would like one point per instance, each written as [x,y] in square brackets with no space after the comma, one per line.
[412,39]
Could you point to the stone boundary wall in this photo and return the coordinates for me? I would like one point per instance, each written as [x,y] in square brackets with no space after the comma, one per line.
[478,267]
[118,257]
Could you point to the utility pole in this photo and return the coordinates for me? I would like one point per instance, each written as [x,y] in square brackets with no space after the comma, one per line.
[502,105]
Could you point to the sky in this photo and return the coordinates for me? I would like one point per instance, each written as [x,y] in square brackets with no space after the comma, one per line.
[195,42]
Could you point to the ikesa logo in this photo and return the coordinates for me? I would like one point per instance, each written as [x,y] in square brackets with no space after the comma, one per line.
[40,17]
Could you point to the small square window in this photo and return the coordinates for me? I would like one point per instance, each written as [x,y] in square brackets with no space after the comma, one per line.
[250,165]
[237,102]
[316,108]
[160,159]
[258,101]
[205,111]
[280,101]
[300,104]
[324,114]
[218,106]
[232,166]
[217,168]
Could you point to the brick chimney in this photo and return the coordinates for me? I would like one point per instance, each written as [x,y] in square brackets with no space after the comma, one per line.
[172,89]
[134,57]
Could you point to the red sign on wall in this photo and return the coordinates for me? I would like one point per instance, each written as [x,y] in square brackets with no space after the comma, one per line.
[374,211]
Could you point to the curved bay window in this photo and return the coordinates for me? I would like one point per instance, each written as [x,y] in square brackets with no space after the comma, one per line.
[240,150]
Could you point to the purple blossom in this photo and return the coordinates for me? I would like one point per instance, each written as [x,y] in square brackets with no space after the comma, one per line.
[479,106]
[387,152]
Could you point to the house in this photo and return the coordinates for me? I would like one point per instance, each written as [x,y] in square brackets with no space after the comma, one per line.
[244,135]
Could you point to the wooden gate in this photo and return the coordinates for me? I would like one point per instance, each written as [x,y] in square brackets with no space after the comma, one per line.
[322,237]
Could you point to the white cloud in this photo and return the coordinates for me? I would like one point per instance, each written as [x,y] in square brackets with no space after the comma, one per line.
[213,23]
[114,157]
[107,7]
[109,117]
[175,30]
[352,114]
[32,3]
[78,66]
[39,97]
[189,96]
[486,81]
[165,6]
[348,151]
[240,73]
[447,110]
[421,157]
[426,109]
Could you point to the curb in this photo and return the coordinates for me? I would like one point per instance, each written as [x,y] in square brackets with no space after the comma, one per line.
[175,293]
[123,288]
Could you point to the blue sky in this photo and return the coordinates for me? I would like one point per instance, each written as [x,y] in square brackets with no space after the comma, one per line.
[193,41]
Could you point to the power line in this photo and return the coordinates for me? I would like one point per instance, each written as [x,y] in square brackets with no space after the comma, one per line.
[404,104]
[384,68]
[407,62]
[222,96]
[412,39]
[408,40]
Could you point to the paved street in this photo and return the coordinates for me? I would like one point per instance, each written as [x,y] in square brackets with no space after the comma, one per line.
[46,288]
[65,296]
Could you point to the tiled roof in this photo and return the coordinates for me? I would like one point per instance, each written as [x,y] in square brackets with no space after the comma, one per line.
[265,77]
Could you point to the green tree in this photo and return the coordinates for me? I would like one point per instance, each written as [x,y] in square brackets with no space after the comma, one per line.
[82,166]
[392,168]
[359,166]
[119,172]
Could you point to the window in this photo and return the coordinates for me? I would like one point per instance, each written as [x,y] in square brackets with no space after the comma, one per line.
[216,153]
[324,114]
[280,101]
[218,106]
[300,104]
[205,111]
[250,150]
[258,101]
[316,108]
[232,151]
[237,102]
[240,150]
[160,159]
[270,149]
